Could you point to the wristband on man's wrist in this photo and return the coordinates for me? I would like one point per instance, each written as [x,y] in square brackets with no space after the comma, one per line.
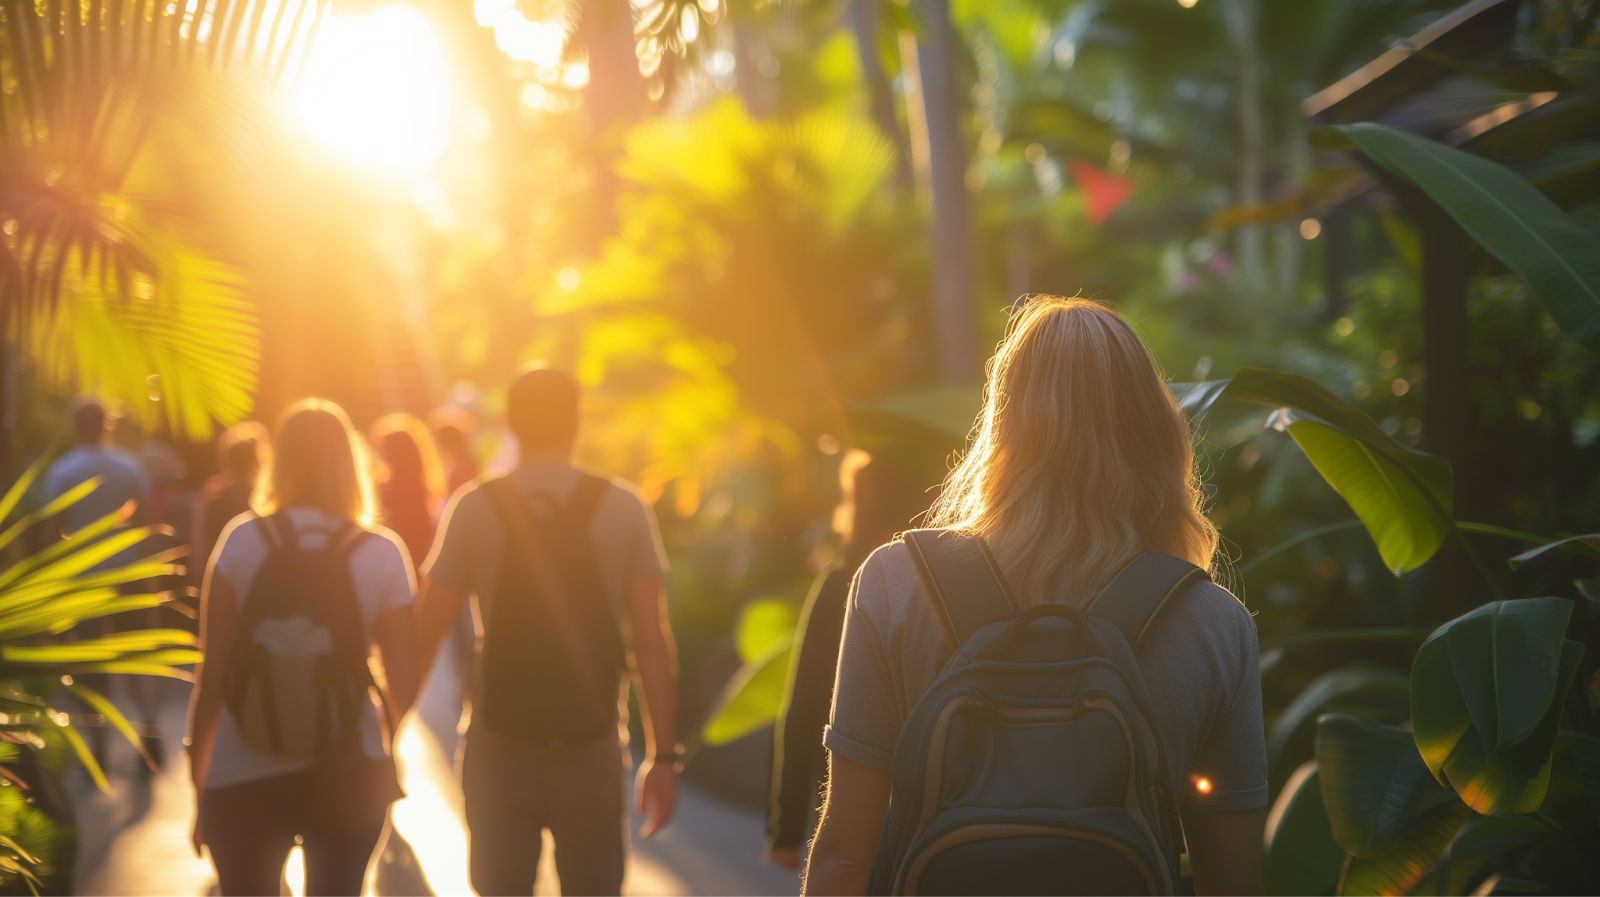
[673,755]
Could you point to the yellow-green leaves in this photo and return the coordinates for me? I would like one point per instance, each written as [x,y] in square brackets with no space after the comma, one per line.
[754,696]
[1486,701]
[1401,495]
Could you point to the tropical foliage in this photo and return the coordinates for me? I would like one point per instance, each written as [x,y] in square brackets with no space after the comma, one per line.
[43,596]
[116,118]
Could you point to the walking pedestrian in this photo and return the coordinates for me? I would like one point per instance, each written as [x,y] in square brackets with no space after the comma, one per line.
[453,427]
[1081,471]
[122,481]
[290,734]
[566,568]
[879,501]
[410,483]
[243,451]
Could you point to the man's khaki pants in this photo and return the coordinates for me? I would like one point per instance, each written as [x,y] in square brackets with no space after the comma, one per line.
[515,789]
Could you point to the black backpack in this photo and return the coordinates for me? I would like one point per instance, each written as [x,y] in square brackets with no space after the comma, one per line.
[297,680]
[1032,765]
[552,654]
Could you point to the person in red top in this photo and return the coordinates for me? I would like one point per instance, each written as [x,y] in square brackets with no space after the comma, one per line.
[410,483]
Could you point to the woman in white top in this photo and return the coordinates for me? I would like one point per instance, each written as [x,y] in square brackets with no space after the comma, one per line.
[254,805]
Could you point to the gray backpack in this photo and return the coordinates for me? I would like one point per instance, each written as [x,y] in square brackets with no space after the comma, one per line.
[1032,765]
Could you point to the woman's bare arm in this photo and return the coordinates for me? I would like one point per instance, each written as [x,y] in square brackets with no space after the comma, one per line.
[219,616]
[394,633]
[847,835]
[1224,850]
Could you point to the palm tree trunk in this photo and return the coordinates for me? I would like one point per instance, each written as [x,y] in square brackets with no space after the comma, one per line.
[864,21]
[953,314]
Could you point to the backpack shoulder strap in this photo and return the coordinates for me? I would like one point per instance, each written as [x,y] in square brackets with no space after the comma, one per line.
[278,531]
[966,587]
[585,499]
[1137,594]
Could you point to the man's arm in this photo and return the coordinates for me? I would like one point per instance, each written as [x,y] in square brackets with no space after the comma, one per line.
[437,606]
[394,632]
[1224,850]
[653,658]
[847,835]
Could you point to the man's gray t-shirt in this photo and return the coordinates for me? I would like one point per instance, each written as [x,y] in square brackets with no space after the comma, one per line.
[1199,664]
[123,479]
[466,554]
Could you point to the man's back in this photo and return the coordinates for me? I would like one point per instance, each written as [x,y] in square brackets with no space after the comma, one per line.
[122,480]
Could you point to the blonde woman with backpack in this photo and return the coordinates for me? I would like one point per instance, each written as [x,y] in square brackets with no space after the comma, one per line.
[1050,682]
[290,736]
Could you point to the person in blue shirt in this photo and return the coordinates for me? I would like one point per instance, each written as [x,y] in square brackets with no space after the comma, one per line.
[123,480]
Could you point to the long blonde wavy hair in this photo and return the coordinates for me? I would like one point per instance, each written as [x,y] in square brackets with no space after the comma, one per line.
[1082,459]
[318,461]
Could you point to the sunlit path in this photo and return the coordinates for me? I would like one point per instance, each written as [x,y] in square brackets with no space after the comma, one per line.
[136,841]
[710,848]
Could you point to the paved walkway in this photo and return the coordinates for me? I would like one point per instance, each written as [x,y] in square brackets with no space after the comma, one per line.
[136,842]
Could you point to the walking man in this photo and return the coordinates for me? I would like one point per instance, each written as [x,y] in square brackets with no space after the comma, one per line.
[122,480]
[566,567]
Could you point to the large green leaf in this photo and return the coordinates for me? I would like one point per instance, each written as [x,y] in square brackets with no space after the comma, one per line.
[1406,523]
[1399,869]
[1401,495]
[750,700]
[1585,750]
[1485,698]
[1506,657]
[1302,856]
[1358,678]
[1481,839]
[764,624]
[1557,257]
[1372,781]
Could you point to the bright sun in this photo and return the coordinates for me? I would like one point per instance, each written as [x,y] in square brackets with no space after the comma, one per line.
[374,89]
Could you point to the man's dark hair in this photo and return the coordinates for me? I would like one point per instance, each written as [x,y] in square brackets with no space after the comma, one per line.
[88,422]
[542,407]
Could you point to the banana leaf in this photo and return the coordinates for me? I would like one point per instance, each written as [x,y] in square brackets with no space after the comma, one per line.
[1402,496]
[750,700]
[1373,780]
[1302,856]
[1550,250]
[1486,701]
[1399,869]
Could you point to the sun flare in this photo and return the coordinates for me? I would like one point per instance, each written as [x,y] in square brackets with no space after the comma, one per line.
[374,89]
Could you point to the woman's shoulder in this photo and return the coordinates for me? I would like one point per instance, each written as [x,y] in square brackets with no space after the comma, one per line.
[1207,612]
[381,545]
[241,533]
[888,581]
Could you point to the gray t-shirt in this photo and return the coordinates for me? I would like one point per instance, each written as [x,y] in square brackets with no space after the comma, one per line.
[466,553]
[123,480]
[1199,663]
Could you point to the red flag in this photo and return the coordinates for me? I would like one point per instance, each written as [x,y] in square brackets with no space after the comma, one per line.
[1104,192]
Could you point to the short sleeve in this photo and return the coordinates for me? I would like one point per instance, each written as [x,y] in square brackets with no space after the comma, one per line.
[646,555]
[865,722]
[449,563]
[384,561]
[1234,756]
[240,550]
